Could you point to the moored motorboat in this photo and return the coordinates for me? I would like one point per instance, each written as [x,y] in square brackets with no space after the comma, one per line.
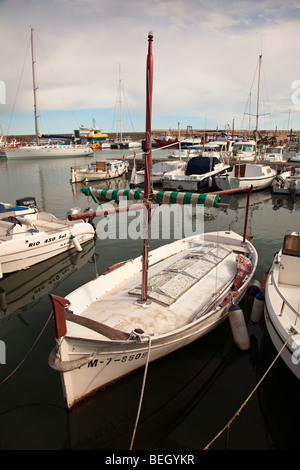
[159,169]
[245,175]
[199,174]
[273,153]
[282,292]
[244,151]
[287,182]
[98,171]
[28,236]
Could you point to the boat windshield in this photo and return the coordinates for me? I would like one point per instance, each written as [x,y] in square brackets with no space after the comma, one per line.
[273,150]
[244,147]
[291,245]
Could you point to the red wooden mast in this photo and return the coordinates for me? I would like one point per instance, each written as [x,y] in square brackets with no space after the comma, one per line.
[148,165]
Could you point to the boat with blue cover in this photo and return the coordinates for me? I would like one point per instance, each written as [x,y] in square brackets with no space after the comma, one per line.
[199,175]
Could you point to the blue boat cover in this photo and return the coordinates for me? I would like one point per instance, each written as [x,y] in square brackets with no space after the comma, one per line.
[201,165]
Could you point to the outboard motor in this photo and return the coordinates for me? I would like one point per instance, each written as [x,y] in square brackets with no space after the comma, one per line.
[26,201]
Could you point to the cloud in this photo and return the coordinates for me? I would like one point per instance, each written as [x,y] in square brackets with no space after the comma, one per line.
[205,55]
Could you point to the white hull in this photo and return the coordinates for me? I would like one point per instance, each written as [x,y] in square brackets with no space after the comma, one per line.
[258,176]
[60,151]
[245,157]
[159,170]
[193,183]
[282,308]
[108,170]
[37,237]
[88,360]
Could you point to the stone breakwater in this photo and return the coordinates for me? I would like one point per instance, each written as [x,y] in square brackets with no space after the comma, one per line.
[211,134]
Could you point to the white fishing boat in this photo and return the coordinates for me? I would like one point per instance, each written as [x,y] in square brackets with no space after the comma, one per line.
[159,169]
[98,171]
[41,148]
[244,151]
[28,236]
[282,293]
[245,175]
[141,310]
[287,182]
[198,175]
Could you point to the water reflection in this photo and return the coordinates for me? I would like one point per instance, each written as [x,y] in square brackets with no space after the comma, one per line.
[24,288]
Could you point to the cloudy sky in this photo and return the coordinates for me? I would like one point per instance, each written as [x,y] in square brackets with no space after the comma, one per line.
[205,63]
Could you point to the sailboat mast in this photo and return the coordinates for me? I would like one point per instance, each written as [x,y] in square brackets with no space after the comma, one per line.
[34,88]
[258,86]
[148,157]
[120,103]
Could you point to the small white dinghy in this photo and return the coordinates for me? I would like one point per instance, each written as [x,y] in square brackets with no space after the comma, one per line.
[245,175]
[282,305]
[142,309]
[28,236]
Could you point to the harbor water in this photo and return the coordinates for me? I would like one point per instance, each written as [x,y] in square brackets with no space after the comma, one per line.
[191,395]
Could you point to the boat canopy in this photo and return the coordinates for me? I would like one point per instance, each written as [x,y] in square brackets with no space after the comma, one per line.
[201,165]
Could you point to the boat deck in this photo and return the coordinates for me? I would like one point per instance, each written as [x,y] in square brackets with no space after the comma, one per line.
[178,289]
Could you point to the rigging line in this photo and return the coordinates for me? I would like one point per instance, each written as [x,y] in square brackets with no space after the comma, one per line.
[127,108]
[251,394]
[249,97]
[14,104]
[28,353]
[142,394]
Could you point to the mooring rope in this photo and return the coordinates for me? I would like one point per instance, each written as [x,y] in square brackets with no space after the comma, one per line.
[251,394]
[142,394]
[30,350]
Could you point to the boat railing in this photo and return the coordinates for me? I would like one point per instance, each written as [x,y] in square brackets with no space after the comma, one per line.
[284,301]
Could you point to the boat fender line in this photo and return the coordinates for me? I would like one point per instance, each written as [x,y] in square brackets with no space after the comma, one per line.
[55,362]
[257,308]
[238,328]
[76,243]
